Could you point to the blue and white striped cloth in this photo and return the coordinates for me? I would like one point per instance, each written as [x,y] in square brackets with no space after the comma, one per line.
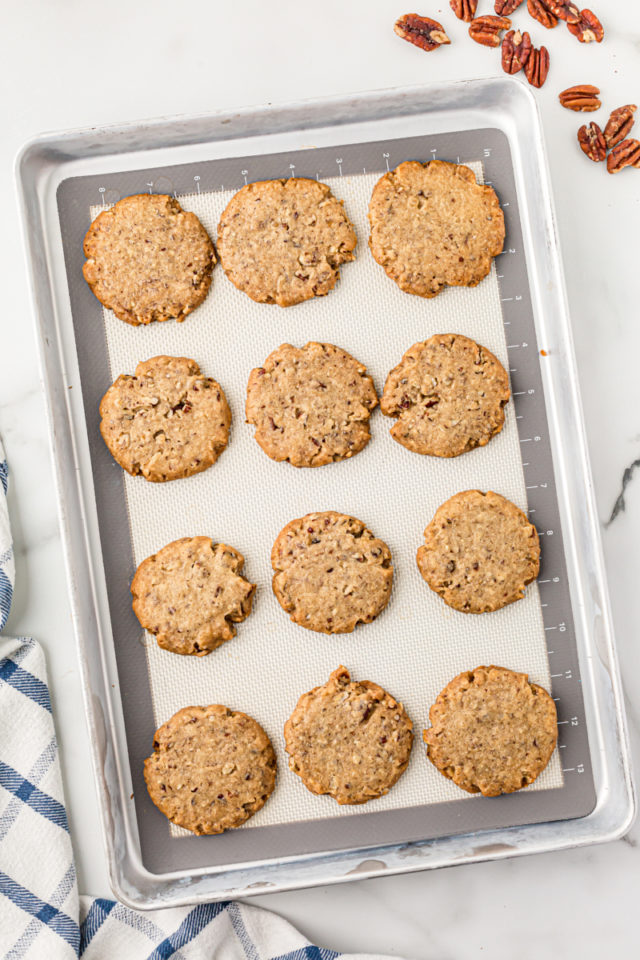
[41,915]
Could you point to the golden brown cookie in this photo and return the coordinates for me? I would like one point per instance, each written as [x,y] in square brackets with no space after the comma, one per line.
[349,739]
[211,768]
[310,405]
[190,594]
[148,259]
[283,241]
[448,396]
[432,224]
[330,572]
[492,731]
[165,422]
[479,552]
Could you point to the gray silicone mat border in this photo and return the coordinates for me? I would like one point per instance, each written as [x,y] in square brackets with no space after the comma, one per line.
[160,852]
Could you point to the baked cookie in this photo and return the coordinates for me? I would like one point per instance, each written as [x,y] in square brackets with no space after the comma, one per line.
[310,405]
[148,259]
[211,768]
[479,552]
[165,422]
[283,241]
[448,396]
[349,739]
[330,572]
[492,731]
[432,224]
[190,594]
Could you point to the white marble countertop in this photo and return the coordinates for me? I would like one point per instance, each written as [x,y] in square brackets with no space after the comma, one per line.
[77,64]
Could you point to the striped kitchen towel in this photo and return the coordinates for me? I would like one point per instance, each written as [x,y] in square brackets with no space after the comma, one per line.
[41,915]
[7,568]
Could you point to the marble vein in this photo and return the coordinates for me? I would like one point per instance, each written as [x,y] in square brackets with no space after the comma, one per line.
[620,504]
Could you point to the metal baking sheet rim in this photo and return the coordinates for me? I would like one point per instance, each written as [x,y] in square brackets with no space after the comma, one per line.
[615,809]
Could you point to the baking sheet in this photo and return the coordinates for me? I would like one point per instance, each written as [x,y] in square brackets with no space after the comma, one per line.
[418,643]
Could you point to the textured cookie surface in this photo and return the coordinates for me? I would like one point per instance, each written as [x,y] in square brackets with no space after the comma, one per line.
[211,768]
[148,259]
[448,395]
[167,421]
[492,731]
[433,225]
[349,739]
[310,405]
[479,552]
[330,572]
[283,241]
[190,594]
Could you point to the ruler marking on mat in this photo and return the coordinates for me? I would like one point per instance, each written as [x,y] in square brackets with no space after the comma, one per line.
[531,421]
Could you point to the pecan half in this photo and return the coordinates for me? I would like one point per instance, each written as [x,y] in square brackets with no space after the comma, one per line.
[504,8]
[625,154]
[464,9]
[588,28]
[619,124]
[564,10]
[516,48]
[591,140]
[486,30]
[537,66]
[539,10]
[583,98]
[421,31]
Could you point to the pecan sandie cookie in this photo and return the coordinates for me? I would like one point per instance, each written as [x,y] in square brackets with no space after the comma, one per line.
[310,405]
[479,552]
[190,594]
[448,396]
[211,768]
[283,241]
[348,738]
[492,731]
[166,421]
[433,225]
[148,259]
[330,572]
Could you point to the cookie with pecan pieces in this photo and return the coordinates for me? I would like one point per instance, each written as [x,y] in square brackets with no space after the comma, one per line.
[283,241]
[433,225]
[310,405]
[330,572]
[166,421]
[492,731]
[349,739]
[479,552]
[148,259]
[190,594]
[448,396]
[211,769]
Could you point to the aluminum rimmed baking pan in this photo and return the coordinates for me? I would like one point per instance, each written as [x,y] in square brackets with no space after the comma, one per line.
[561,633]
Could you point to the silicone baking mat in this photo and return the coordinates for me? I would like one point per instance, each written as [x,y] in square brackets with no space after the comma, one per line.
[417,644]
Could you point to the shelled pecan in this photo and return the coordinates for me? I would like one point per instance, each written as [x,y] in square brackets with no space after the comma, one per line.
[564,10]
[516,48]
[464,9]
[619,124]
[504,8]
[539,10]
[421,31]
[625,154]
[588,28]
[591,140]
[537,66]
[583,98]
[486,30]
